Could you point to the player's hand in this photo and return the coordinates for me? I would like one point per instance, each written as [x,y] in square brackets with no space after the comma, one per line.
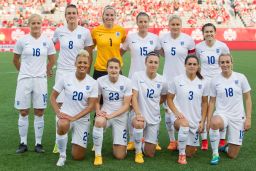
[179,115]
[70,118]
[108,116]
[61,115]
[101,113]
[201,127]
[49,72]
[247,124]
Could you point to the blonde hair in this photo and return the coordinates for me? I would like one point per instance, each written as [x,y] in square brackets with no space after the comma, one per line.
[108,7]
[172,17]
[83,53]
[34,16]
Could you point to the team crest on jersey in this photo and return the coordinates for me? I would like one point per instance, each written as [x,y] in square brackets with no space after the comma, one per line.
[121,88]
[201,51]
[117,34]
[87,87]
[182,43]
[217,50]
[79,36]
[158,85]
[236,81]
[199,86]
[44,43]
[151,42]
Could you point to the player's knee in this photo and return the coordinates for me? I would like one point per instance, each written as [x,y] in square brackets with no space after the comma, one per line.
[149,154]
[24,112]
[184,123]
[100,122]
[39,112]
[232,155]
[78,156]
[119,156]
[63,126]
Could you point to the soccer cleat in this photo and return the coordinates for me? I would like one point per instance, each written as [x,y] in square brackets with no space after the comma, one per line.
[223,148]
[61,161]
[182,159]
[204,145]
[130,146]
[158,147]
[139,158]
[39,148]
[98,160]
[222,143]
[22,148]
[172,146]
[55,149]
[215,160]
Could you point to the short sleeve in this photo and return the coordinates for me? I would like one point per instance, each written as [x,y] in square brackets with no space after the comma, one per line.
[94,92]
[18,48]
[51,48]
[245,84]
[55,37]
[59,85]
[158,44]
[164,88]
[191,44]
[212,89]
[88,38]
[135,85]
[99,86]
[172,87]
[128,91]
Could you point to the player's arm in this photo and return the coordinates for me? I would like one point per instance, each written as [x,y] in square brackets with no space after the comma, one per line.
[54,103]
[172,106]
[163,98]
[89,49]
[135,103]
[98,107]
[161,52]
[91,106]
[122,51]
[16,61]
[204,107]
[248,108]
[125,107]
[51,62]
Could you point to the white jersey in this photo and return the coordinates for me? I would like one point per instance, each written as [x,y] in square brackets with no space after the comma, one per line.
[71,42]
[149,93]
[139,48]
[209,57]
[188,97]
[113,93]
[76,93]
[175,52]
[229,94]
[34,54]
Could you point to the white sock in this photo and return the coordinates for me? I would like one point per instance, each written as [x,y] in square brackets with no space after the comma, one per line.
[182,138]
[97,135]
[62,141]
[56,128]
[223,133]
[204,134]
[23,128]
[138,134]
[169,126]
[130,127]
[215,139]
[39,128]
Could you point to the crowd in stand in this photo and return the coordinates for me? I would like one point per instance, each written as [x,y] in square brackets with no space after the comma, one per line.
[15,13]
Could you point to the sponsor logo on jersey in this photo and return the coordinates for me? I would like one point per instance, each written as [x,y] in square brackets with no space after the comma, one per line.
[44,43]
[133,42]
[61,35]
[182,43]
[100,35]
[121,88]
[201,51]
[165,42]
[158,85]
[87,87]
[141,81]
[79,36]
[151,42]
[117,34]
[181,85]
[199,86]
[236,81]
[217,50]
[68,84]
[18,103]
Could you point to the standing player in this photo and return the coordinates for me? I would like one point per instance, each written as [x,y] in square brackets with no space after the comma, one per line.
[190,107]
[80,96]
[149,90]
[176,47]
[208,51]
[30,58]
[139,44]
[227,91]
[108,38]
[116,91]
[72,39]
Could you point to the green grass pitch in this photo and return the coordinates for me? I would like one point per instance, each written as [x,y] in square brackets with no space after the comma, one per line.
[244,62]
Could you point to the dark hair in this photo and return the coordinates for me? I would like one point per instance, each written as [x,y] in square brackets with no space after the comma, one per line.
[152,53]
[208,25]
[198,74]
[114,60]
[71,6]
[141,14]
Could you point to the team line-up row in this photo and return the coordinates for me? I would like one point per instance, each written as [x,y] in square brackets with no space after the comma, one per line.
[198,89]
